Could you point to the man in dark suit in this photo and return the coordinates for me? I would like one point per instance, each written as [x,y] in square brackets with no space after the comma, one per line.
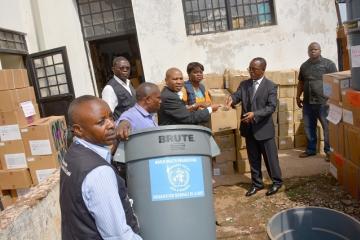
[173,109]
[118,93]
[258,97]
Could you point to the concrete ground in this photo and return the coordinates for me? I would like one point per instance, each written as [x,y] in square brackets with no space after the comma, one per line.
[291,166]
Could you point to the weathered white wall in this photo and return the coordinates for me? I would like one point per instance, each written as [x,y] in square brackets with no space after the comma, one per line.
[51,24]
[163,41]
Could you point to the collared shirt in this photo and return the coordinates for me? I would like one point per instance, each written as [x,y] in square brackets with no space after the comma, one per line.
[311,73]
[100,194]
[138,117]
[109,96]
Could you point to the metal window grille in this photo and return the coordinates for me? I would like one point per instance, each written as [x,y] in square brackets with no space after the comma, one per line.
[207,16]
[12,42]
[106,18]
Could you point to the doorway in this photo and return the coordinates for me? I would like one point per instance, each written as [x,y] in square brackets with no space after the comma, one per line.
[103,51]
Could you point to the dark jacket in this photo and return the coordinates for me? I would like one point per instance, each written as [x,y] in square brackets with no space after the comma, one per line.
[263,105]
[173,111]
[76,221]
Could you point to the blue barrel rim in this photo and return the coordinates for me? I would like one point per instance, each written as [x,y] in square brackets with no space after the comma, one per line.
[310,207]
[172,127]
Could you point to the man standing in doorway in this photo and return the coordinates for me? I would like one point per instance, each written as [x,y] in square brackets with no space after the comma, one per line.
[314,102]
[118,93]
[258,97]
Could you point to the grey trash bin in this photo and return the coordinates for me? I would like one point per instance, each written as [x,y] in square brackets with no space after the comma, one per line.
[169,178]
[308,223]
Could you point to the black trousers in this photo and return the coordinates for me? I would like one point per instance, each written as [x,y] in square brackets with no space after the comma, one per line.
[268,150]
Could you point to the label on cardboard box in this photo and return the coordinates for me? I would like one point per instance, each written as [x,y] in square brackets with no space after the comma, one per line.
[43,174]
[28,108]
[335,114]
[333,170]
[355,56]
[10,132]
[348,116]
[327,88]
[40,147]
[216,171]
[15,160]
[345,83]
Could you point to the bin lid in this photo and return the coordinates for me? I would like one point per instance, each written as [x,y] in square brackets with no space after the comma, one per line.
[170,140]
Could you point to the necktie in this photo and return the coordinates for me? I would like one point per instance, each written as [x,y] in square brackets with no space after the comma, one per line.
[254,88]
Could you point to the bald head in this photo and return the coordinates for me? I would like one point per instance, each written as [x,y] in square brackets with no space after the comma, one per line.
[146,89]
[174,79]
[76,104]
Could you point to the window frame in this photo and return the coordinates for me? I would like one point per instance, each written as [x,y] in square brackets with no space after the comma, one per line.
[229,18]
[22,41]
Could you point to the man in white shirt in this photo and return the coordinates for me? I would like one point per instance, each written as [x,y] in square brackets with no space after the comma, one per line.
[118,93]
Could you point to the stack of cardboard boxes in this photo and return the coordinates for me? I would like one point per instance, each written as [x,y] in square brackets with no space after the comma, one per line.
[344,130]
[18,114]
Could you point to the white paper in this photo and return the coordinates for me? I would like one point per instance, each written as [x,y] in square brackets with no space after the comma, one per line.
[40,147]
[345,84]
[216,171]
[43,174]
[355,56]
[348,116]
[335,114]
[15,160]
[10,132]
[333,170]
[28,108]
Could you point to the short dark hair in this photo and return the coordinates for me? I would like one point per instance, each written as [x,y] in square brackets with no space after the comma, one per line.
[75,103]
[145,89]
[262,61]
[118,59]
[191,66]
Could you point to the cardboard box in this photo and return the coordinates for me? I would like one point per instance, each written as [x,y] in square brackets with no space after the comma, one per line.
[41,167]
[227,154]
[238,109]
[233,78]
[12,154]
[337,166]
[352,143]
[9,132]
[282,77]
[275,117]
[276,126]
[286,129]
[223,119]
[13,78]
[298,116]
[300,141]
[242,155]
[5,201]
[336,137]
[299,128]
[16,178]
[224,168]
[243,166]
[45,136]
[225,140]
[336,83]
[12,99]
[286,104]
[286,142]
[18,117]
[218,96]
[213,80]
[285,117]
[352,179]
[286,91]
[351,107]
[240,141]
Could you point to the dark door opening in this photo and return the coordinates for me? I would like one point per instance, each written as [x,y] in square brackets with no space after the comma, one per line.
[103,52]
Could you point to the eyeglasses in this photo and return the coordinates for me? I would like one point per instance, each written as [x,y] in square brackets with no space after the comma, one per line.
[251,69]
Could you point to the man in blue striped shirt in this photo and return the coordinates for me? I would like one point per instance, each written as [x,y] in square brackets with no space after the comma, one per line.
[93,197]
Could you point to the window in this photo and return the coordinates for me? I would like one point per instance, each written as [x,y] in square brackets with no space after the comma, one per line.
[12,42]
[208,16]
[105,18]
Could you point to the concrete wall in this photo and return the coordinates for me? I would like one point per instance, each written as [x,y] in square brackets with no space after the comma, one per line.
[164,43]
[51,24]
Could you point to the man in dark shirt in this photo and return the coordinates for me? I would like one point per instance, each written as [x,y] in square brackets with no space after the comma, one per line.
[314,102]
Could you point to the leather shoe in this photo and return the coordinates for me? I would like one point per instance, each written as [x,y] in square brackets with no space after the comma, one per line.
[306,154]
[273,189]
[253,190]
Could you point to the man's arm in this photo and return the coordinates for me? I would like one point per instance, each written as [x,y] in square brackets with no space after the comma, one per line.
[101,197]
[109,96]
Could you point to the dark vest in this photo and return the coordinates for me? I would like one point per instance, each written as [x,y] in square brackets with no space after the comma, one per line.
[191,93]
[76,221]
[125,100]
